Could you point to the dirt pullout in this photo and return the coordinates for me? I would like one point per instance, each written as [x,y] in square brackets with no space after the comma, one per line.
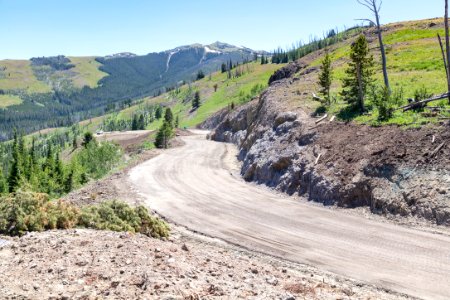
[129,141]
[391,170]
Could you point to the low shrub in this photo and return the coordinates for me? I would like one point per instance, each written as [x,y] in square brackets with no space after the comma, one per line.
[26,211]
[119,216]
[385,101]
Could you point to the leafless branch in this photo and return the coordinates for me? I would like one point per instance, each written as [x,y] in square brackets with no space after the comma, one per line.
[368,20]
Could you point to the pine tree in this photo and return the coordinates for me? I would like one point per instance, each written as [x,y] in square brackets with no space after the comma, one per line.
[15,174]
[141,122]
[58,173]
[87,138]
[177,122]
[168,116]
[163,136]
[134,123]
[158,112]
[223,67]
[3,186]
[196,100]
[69,183]
[200,75]
[326,78]
[359,74]
[74,143]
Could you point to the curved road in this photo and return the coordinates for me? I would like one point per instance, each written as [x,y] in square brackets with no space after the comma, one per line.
[193,186]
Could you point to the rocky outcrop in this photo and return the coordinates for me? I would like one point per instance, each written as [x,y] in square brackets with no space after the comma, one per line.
[287,71]
[387,169]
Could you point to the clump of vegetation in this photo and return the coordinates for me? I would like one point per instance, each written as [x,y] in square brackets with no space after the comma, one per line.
[40,168]
[26,211]
[119,216]
[200,75]
[385,101]
[422,93]
[98,159]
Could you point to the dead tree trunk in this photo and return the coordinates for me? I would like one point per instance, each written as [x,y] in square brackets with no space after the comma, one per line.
[443,55]
[447,44]
[375,8]
[360,89]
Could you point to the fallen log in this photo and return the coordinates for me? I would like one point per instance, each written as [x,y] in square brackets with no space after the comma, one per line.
[332,118]
[421,104]
[436,151]
[321,119]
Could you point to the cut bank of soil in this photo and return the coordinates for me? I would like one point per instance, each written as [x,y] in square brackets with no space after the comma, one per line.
[391,170]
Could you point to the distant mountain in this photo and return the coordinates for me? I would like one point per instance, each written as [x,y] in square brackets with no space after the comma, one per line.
[57,91]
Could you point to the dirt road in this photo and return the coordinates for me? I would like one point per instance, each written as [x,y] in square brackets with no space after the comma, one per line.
[197,186]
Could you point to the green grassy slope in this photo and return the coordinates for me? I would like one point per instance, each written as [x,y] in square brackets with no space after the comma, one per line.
[414,61]
[18,75]
[87,72]
[236,90]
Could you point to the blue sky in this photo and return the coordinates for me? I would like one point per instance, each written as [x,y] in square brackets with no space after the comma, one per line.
[98,27]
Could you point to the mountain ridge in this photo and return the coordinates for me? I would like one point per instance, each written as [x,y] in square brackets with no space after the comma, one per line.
[58,91]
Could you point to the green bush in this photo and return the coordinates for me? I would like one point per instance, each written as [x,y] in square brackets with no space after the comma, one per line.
[385,102]
[27,211]
[98,159]
[119,216]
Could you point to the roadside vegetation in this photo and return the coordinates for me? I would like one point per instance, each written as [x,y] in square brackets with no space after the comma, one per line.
[414,72]
[26,211]
[34,175]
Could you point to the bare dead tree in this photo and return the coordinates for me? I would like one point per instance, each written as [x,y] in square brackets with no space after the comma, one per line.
[375,8]
[443,54]
[447,45]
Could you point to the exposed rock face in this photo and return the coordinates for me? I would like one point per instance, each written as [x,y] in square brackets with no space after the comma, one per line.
[388,169]
[287,71]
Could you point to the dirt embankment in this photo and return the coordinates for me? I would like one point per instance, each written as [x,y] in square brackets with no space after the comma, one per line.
[87,264]
[392,170]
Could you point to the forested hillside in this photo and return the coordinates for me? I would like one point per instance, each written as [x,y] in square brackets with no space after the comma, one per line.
[60,91]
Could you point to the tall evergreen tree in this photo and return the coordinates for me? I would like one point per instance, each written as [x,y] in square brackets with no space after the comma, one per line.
[141,122]
[359,74]
[16,172]
[3,186]
[196,100]
[168,116]
[164,135]
[158,112]
[69,182]
[87,138]
[74,143]
[134,123]
[326,78]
